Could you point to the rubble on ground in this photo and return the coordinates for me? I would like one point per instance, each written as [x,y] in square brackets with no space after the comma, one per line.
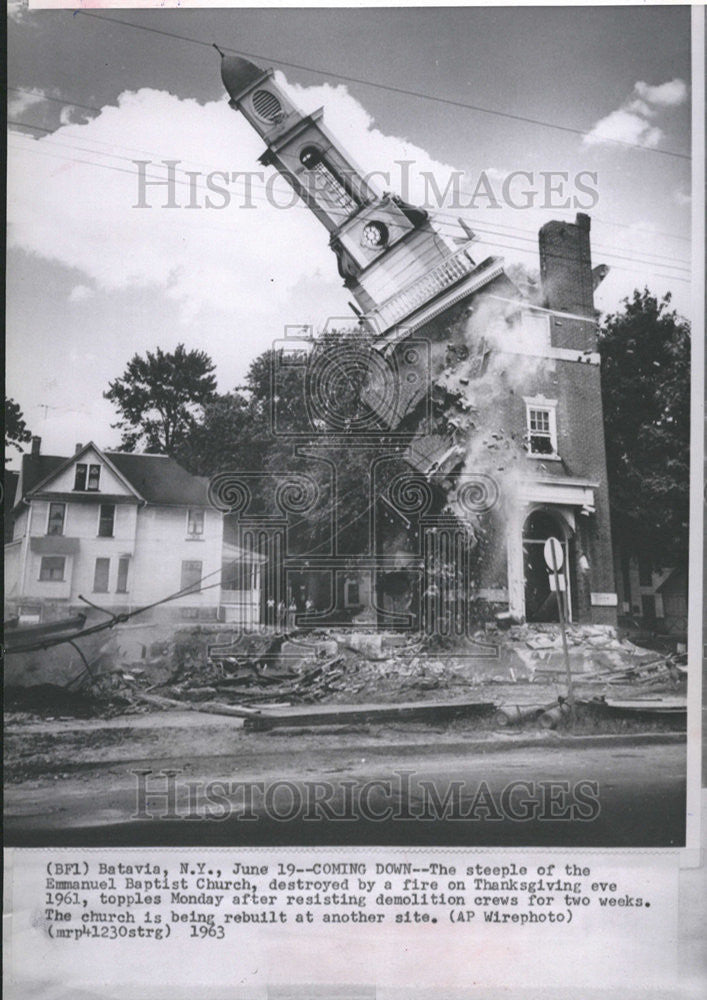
[523,664]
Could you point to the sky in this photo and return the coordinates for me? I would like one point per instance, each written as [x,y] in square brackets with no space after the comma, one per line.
[92,279]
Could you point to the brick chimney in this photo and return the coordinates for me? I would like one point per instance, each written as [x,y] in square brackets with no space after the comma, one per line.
[566,266]
[77,447]
[36,444]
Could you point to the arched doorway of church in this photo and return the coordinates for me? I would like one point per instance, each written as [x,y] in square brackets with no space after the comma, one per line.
[540,598]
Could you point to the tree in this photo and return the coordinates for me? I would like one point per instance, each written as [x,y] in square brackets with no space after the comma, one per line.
[645,354]
[161,398]
[237,434]
[16,431]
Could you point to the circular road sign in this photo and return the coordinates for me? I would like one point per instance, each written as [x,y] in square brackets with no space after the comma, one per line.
[553,546]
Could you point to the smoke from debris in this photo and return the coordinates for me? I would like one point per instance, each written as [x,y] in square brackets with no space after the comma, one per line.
[505,344]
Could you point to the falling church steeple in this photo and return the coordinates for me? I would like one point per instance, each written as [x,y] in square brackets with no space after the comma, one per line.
[398,266]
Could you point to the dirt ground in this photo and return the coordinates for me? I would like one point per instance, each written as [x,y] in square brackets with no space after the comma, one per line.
[54,731]
[56,747]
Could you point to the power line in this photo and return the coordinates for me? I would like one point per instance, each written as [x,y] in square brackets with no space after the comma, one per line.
[658,261]
[616,267]
[492,244]
[58,100]
[477,223]
[382,86]
[596,219]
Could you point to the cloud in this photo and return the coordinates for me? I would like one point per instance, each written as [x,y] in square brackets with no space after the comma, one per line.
[624,126]
[233,275]
[665,95]
[631,122]
[73,197]
[16,9]
[25,98]
[71,115]
[79,293]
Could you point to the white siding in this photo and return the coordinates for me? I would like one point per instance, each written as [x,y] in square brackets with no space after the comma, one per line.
[109,482]
[161,547]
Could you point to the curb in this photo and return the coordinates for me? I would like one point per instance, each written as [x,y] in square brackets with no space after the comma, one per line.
[522,743]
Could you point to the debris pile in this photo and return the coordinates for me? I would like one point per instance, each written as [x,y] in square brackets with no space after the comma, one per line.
[520,668]
[339,666]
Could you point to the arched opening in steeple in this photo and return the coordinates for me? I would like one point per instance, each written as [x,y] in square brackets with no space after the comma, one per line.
[327,185]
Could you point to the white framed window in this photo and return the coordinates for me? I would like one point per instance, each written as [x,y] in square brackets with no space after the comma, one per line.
[81,473]
[106,520]
[122,583]
[101,575]
[195,523]
[94,478]
[541,427]
[52,568]
[87,477]
[56,518]
[191,576]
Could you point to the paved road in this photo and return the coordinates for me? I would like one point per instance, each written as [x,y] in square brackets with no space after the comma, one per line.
[640,791]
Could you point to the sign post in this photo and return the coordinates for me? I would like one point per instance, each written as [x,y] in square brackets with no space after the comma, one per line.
[554,558]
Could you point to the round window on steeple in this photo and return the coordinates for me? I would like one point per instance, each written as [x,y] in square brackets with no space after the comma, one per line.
[267,106]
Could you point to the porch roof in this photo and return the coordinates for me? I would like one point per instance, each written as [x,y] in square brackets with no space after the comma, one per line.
[54,545]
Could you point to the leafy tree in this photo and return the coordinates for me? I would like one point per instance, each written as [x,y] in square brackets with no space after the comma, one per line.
[237,434]
[645,352]
[161,398]
[16,431]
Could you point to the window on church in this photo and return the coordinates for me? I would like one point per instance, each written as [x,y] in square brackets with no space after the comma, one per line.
[541,428]
[267,106]
[327,186]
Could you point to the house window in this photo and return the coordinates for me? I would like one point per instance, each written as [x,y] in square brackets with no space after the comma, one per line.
[645,571]
[122,585]
[87,477]
[541,427]
[80,479]
[106,520]
[100,576]
[52,568]
[55,523]
[191,576]
[94,476]
[195,523]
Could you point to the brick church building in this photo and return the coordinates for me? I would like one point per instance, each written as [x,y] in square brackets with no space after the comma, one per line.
[490,386]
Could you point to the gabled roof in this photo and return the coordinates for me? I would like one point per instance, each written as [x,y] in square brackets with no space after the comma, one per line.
[156,479]
[159,479]
[10,488]
[37,468]
[64,463]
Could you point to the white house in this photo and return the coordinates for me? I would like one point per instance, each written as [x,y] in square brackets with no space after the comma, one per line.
[124,531]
